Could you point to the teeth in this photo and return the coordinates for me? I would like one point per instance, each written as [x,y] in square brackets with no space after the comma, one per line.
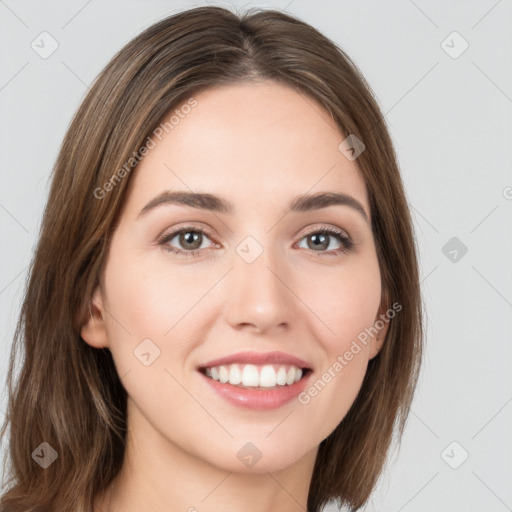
[235,375]
[250,375]
[281,376]
[223,374]
[268,377]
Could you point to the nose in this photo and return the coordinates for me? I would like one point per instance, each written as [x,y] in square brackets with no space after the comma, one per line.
[260,295]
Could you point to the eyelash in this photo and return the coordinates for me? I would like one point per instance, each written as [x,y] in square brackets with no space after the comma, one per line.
[347,243]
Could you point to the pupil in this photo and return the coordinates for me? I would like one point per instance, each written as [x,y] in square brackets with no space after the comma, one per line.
[191,237]
[318,242]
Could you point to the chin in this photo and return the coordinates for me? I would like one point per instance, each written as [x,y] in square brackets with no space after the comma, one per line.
[259,456]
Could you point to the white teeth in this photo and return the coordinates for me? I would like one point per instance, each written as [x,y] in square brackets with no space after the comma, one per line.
[235,375]
[281,376]
[250,375]
[266,376]
[223,374]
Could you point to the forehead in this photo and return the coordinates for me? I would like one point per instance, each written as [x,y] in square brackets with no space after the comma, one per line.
[256,143]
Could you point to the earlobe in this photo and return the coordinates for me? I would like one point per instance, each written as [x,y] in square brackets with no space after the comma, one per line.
[94,331]
[376,345]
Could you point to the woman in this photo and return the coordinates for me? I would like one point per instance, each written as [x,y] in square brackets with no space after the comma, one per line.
[265,365]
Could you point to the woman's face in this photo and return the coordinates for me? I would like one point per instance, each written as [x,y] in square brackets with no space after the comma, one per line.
[260,278]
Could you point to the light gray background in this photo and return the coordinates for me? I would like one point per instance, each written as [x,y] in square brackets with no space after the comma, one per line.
[450,119]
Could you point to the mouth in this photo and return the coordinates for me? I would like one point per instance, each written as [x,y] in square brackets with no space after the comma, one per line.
[260,381]
[256,377]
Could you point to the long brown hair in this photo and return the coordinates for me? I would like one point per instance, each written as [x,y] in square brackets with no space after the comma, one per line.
[68,394]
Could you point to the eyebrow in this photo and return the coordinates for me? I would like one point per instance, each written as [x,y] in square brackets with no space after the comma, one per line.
[210,202]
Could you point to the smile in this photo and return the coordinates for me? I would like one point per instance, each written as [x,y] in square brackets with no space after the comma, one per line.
[264,390]
[255,376]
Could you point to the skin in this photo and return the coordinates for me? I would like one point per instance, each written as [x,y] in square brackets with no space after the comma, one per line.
[259,145]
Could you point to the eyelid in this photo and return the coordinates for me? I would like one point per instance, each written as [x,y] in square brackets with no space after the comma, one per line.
[315,228]
[191,226]
[308,230]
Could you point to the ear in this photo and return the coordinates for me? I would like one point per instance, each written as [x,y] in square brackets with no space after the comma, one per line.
[94,331]
[381,323]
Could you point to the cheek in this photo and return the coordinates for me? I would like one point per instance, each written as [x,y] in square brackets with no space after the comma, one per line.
[147,299]
[346,303]
[150,298]
[346,307]
[150,334]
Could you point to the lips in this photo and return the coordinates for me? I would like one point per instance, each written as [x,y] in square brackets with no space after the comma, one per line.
[266,369]
[257,358]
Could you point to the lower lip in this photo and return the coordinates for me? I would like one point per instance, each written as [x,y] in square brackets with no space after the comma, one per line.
[260,400]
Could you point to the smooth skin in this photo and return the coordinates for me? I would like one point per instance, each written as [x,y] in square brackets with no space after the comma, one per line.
[258,145]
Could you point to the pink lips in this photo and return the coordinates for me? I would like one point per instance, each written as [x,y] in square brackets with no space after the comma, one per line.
[254,398]
[258,358]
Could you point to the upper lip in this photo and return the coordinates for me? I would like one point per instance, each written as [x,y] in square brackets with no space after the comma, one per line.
[257,358]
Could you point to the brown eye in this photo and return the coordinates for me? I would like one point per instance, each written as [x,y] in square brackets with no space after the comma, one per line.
[189,241]
[319,241]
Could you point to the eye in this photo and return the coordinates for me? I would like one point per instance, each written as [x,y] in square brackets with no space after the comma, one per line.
[319,238]
[191,239]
